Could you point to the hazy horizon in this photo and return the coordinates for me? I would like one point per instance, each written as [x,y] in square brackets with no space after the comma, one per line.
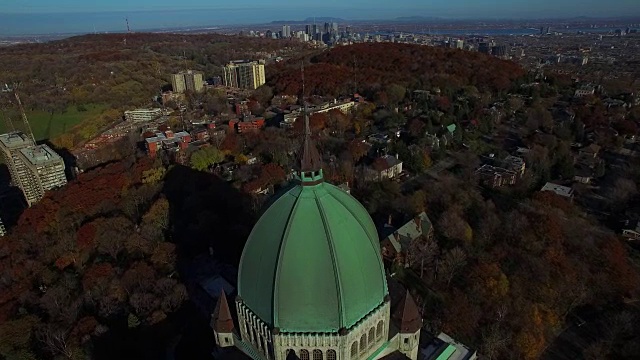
[30,17]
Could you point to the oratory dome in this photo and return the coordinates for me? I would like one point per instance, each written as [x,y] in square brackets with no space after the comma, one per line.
[312,262]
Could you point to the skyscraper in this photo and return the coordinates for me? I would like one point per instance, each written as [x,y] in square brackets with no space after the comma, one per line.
[286,31]
[308,29]
[187,80]
[244,74]
[3,231]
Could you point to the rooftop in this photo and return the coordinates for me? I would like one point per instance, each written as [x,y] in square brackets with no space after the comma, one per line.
[40,155]
[558,189]
[16,139]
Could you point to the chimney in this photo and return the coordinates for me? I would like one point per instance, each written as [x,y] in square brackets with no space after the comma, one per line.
[389,221]
[397,156]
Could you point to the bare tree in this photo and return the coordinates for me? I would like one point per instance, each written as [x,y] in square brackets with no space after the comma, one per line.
[423,251]
[55,340]
[494,341]
[452,262]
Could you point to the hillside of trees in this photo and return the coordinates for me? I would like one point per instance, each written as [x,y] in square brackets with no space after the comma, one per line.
[94,269]
[378,68]
[103,69]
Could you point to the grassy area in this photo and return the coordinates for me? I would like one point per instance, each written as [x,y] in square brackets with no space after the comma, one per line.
[46,126]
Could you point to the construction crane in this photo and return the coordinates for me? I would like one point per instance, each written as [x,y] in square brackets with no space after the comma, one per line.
[24,117]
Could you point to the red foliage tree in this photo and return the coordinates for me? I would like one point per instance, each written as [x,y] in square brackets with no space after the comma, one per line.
[85,236]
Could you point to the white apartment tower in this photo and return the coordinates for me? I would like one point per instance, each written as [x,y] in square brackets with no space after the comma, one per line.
[10,146]
[44,171]
[187,80]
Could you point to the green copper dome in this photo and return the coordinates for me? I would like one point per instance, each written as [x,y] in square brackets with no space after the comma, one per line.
[312,262]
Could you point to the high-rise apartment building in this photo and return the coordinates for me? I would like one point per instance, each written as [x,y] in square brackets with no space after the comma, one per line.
[43,170]
[10,146]
[3,231]
[187,80]
[244,74]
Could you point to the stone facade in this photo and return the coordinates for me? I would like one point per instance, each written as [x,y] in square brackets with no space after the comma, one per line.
[363,340]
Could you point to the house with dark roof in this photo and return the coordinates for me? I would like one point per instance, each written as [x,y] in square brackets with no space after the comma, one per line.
[397,241]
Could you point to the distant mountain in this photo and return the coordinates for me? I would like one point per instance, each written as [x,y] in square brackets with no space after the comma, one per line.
[309,20]
[417,18]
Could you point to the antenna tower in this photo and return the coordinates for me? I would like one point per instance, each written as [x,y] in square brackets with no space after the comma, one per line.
[24,117]
[355,75]
[302,66]
[184,58]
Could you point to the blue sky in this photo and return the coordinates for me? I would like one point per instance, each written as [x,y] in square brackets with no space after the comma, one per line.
[21,17]
[366,8]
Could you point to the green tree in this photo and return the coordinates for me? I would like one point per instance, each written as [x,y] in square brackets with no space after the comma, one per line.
[395,93]
[205,157]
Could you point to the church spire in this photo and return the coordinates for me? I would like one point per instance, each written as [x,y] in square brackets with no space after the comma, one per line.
[309,160]
[222,320]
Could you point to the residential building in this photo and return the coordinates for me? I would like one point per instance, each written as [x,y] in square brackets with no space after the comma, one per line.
[244,74]
[584,91]
[495,177]
[560,190]
[167,141]
[142,115]
[590,152]
[43,170]
[398,241]
[444,347]
[311,282]
[189,80]
[384,167]
[631,230]
[3,231]
[515,164]
[10,146]
[246,125]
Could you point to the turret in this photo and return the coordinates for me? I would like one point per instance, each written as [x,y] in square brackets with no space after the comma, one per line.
[222,323]
[410,325]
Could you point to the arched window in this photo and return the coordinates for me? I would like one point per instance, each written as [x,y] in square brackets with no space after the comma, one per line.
[291,355]
[317,354]
[379,329]
[304,354]
[372,335]
[363,343]
[354,349]
[331,354]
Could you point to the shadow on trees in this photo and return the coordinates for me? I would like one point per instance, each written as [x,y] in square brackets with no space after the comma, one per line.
[70,162]
[204,212]
[12,202]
